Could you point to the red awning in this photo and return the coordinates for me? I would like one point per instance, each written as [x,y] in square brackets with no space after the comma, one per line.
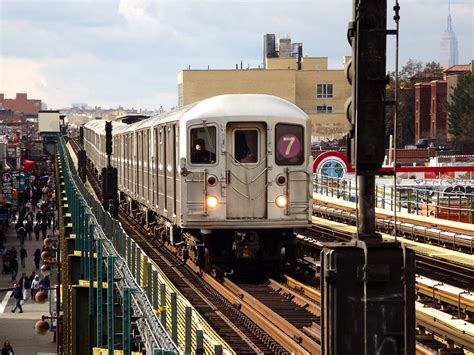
[28,164]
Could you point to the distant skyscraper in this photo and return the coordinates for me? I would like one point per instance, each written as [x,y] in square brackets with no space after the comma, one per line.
[449,44]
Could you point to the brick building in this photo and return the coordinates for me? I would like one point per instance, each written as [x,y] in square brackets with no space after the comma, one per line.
[430,113]
[305,81]
[422,110]
[21,103]
[439,125]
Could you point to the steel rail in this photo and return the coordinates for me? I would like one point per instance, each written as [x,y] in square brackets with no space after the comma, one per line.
[463,274]
[292,339]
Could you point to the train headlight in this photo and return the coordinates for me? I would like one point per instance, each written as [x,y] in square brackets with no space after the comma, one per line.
[211,202]
[281,201]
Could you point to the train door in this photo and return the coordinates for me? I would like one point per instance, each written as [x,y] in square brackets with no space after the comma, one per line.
[246,170]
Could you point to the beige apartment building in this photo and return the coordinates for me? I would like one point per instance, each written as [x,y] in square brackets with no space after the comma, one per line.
[305,81]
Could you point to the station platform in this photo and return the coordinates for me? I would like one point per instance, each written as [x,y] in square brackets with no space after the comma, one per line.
[452,256]
[18,328]
[444,224]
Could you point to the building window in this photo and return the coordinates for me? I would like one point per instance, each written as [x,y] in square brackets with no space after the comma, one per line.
[324,109]
[318,66]
[324,91]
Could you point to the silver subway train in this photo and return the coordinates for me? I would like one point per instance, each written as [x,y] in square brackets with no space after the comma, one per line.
[226,179]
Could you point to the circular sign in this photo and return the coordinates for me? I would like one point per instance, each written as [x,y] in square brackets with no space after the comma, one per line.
[332,168]
[7,177]
[289,145]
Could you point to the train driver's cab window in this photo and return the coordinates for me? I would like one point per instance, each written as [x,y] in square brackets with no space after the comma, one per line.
[246,146]
[289,144]
[203,145]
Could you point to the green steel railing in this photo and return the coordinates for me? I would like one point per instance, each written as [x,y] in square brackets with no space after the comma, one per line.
[174,324]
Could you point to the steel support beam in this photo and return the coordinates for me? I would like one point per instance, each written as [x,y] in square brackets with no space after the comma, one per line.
[110,305]
[99,292]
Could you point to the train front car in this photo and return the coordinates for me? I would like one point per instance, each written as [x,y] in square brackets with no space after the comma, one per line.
[246,179]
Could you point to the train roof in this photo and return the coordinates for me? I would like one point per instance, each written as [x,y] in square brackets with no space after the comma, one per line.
[98,126]
[222,106]
[242,105]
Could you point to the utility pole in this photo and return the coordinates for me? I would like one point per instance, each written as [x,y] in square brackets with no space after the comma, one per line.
[367,285]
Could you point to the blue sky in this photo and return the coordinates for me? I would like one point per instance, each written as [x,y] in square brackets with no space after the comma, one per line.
[128,52]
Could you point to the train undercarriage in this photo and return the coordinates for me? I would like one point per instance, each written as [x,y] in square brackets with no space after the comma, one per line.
[220,250]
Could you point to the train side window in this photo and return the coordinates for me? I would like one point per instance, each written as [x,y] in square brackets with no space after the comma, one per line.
[289,144]
[203,145]
[246,146]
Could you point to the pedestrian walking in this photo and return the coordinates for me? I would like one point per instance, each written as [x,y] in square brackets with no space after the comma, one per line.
[30,282]
[30,217]
[21,234]
[29,229]
[14,268]
[7,348]
[37,230]
[24,285]
[39,216]
[37,257]
[49,217]
[18,295]
[44,229]
[23,256]
[35,286]
[22,213]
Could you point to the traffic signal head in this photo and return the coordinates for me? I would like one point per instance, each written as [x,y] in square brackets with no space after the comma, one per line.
[108,138]
[366,72]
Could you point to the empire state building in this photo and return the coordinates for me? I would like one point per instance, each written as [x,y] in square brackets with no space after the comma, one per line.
[449,45]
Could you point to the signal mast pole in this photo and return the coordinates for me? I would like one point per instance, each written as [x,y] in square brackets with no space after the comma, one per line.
[109,176]
[367,285]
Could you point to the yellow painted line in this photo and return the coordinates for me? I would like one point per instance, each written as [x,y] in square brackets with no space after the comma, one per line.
[102,351]
[85,283]
[79,253]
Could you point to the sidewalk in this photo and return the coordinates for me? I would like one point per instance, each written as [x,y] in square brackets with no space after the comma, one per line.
[16,327]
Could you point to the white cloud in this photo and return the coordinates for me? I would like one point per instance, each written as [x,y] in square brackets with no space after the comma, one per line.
[128,52]
[22,75]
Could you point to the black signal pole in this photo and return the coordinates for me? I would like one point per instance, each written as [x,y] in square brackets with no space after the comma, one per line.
[81,157]
[367,285]
[109,176]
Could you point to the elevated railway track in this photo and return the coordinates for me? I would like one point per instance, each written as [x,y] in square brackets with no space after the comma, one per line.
[251,318]
[244,322]
[449,234]
[440,263]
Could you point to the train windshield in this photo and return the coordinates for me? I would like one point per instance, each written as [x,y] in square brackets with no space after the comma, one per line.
[246,146]
[289,144]
[203,145]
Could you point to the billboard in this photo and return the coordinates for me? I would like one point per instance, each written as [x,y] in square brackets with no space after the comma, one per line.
[48,121]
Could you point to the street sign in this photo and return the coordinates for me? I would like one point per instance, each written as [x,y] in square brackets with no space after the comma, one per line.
[7,188]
